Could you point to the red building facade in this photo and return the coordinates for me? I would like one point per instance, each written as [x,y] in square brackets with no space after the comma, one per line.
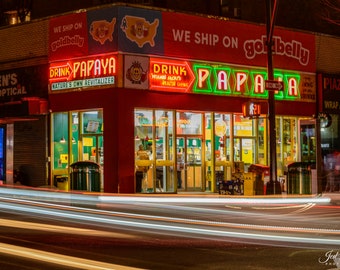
[174,83]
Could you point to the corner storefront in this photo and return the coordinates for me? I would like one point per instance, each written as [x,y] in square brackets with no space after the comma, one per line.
[193,98]
[329,112]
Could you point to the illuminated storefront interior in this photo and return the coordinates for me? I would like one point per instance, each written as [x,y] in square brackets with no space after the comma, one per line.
[76,136]
[211,144]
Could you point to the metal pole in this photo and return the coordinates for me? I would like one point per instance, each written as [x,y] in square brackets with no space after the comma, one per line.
[271,99]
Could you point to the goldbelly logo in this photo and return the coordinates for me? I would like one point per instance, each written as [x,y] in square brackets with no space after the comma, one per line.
[139,30]
[102,30]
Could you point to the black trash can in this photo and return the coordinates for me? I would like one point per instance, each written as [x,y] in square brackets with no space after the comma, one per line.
[299,178]
[85,175]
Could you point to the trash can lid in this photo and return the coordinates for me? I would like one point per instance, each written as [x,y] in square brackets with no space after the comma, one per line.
[258,167]
[84,164]
[301,164]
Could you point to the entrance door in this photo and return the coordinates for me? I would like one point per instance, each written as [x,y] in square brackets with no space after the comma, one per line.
[307,141]
[191,147]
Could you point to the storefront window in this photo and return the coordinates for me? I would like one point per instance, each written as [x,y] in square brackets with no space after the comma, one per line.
[92,138]
[76,136]
[154,151]
[60,140]
[330,143]
[209,150]
[262,142]
[218,149]
[243,126]
[189,123]
[245,150]
[307,140]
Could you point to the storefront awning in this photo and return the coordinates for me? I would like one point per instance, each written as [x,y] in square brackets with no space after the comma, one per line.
[24,107]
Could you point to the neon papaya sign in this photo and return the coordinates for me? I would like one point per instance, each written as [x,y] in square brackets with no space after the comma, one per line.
[85,72]
[170,75]
[228,80]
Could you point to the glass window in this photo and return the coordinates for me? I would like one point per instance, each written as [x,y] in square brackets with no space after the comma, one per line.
[189,123]
[76,136]
[286,142]
[60,140]
[222,135]
[243,126]
[92,138]
[262,143]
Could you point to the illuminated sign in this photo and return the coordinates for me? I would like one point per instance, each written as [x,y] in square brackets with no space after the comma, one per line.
[330,86]
[170,75]
[228,80]
[85,72]
[251,109]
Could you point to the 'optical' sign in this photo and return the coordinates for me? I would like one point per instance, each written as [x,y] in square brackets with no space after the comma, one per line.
[85,72]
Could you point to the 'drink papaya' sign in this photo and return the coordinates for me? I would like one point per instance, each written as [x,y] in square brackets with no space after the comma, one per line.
[84,72]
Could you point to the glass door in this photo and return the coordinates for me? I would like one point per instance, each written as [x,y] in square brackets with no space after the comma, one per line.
[307,141]
[154,151]
[191,175]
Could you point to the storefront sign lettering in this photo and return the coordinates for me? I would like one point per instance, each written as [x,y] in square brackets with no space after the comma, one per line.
[87,72]
[170,75]
[333,105]
[330,86]
[83,83]
[10,86]
[235,81]
[293,49]
[331,83]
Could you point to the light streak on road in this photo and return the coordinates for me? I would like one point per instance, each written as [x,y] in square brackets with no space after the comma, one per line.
[196,228]
[60,229]
[97,209]
[175,198]
[59,259]
[219,200]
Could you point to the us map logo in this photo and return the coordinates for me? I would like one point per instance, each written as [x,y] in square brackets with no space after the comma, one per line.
[139,30]
[102,30]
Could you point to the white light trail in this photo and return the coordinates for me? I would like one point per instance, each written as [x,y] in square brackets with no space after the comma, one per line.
[187,227]
[69,261]
[169,198]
